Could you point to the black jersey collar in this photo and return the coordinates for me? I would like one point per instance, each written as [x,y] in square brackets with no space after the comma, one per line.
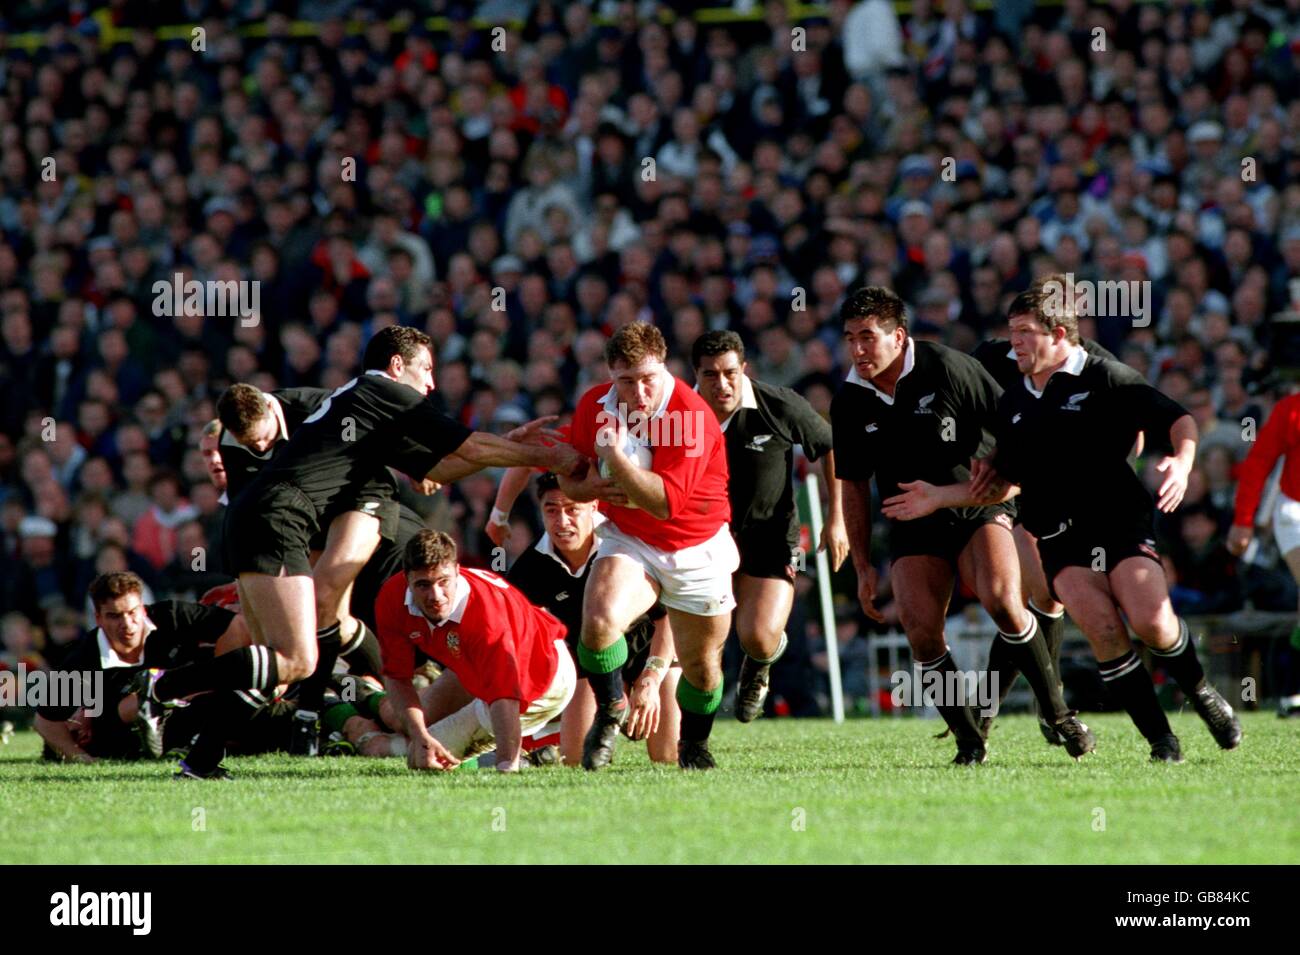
[547,546]
[909,362]
[108,658]
[1073,366]
[747,399]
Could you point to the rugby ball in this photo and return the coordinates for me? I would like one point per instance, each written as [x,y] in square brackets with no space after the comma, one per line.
[641,457]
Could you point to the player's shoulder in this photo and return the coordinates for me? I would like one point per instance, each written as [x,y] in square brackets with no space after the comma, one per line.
[593,396]
[1109,371]
[934,354]
[392,594]
[992,353]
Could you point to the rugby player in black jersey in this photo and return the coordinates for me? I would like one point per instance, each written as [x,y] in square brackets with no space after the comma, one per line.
[375,421]
[553,574]
[761,425]
[1064,436]
[916,412]
[999,360]
[367,535]
[128,637]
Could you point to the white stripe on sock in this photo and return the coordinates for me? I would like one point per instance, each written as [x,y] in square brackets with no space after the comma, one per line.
[1122,671]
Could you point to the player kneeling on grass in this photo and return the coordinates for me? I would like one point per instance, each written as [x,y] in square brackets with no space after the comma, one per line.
[507,670]
[129,637]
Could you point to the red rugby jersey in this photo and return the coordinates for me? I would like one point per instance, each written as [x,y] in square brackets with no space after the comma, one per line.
[498,644]
[687,451]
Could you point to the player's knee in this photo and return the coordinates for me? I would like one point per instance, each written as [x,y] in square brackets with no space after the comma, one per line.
[599,630]
[1153,627]
[703,674]
[299,665]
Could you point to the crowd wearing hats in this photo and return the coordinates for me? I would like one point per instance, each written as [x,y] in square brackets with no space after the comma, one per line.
[615,162]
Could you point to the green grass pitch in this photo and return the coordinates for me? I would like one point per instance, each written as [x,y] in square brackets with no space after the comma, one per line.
[873,791]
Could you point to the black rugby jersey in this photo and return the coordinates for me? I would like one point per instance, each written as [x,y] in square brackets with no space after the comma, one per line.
[1068,447]
[939,417]
[179,632]
[291,407]
[368,424]
[1000,361]
[761,435]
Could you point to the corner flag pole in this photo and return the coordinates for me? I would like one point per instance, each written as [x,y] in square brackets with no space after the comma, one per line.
[824,590]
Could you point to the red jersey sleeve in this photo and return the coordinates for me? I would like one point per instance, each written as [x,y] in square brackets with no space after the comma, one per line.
[582,432]
[392,628]
[1274,440]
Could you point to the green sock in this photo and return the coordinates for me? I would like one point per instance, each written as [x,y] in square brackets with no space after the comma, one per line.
[603,661]
[698,709]
[1295,638]
[370,705]
[336,716]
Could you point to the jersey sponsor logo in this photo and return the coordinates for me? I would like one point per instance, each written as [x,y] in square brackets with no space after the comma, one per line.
[757,441]
[1072,403]
[369,508]
[453,643]
[872,427]
[923,406]
[415,634]
[1015,419]
[562,595]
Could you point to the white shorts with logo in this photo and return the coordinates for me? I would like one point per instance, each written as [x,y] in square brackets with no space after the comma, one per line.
[1286,523]
[468,731]
[694,580]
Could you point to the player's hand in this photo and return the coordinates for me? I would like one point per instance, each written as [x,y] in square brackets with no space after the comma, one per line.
[1174,487]
[866,595]
[428,753]
[569,462]
[84,758]
[1239,539]
[643,708]
[835,538]
[536,432]
[426,487]
[610,437]
[918,499]
[983,478]
[498,534]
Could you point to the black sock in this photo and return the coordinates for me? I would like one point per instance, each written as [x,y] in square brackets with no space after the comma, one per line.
[1053,628]
[1036,664]
[1181,661]
[362,652]
[311,691]
[227,712]
[1129,684]
[608,687]
[243,669]
[696,727]
[1003,667]
[956,713]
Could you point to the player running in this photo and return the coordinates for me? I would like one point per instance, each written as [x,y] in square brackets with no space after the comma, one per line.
[553,574]
[762,424]
[1064,436]
[663,485]
[914,414]
[507,672]
[370,530]
[999,360]
[375,421]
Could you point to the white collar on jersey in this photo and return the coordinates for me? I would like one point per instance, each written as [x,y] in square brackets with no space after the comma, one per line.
[1073,366]
[909,362]
[108,658]
[747,399]
[282,429]
[610,401]
[547,546]
[457,608]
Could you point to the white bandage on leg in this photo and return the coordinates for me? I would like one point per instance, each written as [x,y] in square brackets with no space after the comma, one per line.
[467,732]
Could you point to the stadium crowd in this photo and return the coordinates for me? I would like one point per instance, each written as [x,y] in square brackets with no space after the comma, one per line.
[608,165]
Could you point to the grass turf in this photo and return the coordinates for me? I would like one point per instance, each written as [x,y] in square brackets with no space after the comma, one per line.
[874,791]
